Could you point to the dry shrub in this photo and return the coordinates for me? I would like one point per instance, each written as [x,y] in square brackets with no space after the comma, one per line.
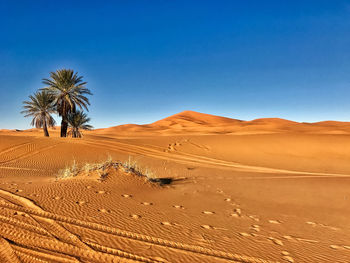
[101,169]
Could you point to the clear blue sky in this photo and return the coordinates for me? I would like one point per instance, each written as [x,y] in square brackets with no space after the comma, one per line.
[145,60]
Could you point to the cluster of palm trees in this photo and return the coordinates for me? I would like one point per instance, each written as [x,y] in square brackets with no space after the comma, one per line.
[64,94]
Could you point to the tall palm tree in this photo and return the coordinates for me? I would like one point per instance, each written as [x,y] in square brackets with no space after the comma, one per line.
[40,107]
[78,121]
[69,91]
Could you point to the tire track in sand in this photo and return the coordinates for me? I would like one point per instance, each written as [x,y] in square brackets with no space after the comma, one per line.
[6,252]
[71,243]
[23,169]
[135,236]
[29,255]
[50,225]
[23,225]
[15,147]
[29,154]
[28,239]
[192,159]
[31,239]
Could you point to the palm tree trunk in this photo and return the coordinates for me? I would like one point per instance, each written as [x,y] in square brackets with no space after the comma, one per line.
[46,132]
[75,133]
[64,126]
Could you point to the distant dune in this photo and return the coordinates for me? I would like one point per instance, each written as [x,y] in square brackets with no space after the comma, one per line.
[196,123]
[191,122]
[266,190]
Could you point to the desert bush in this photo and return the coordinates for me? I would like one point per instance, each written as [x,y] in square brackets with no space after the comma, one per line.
[101,169]
[68,171]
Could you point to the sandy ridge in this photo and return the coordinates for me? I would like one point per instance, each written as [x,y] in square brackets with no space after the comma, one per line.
[191,122]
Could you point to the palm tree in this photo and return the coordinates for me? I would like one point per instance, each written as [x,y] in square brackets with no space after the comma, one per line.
[40,107]
[78,121]
[68,89]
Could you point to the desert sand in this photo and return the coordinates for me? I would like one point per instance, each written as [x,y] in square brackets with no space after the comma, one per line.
[267,190]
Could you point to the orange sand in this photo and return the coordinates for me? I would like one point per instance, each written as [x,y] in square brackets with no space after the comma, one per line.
[255,191]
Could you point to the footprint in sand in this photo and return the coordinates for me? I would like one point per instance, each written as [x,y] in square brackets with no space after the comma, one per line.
[208,212]
[235,215]
[134,216]
[286,256]
[126,196]
[276,241]
[171,147]
[167,223]
[102,210]
[275,222]
[146,203]
[178,206]
[311,223]
[255,218]
[213,227]
[288,259]
[80,202]
[19,190]
[335,246]
[101,192]
[339,247]
[237,212]
[219,228]
[228,199]
[256,228]
[18,213]
[56,198]
[89,187]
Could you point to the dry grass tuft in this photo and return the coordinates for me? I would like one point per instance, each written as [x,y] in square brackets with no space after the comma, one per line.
[132,166]
[101,170]
[68,171]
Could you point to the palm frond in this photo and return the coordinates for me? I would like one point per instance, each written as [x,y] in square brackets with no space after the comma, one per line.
[40,107]
[78,121]
[69,91]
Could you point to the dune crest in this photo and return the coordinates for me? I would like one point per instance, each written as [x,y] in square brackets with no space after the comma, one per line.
[276,197]
[191,122]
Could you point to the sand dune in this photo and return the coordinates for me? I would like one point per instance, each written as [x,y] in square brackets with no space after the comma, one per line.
[190,122]
[267,190]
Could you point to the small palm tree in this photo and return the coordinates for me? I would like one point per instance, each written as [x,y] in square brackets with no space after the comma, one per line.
[69,92]
[40,107]
[78,121]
